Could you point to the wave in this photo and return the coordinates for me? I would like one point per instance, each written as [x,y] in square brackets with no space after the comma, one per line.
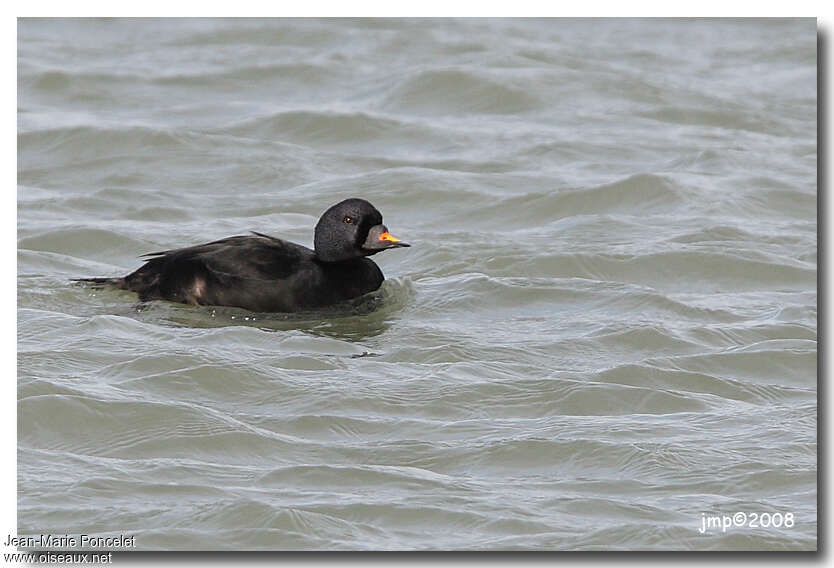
[456,90]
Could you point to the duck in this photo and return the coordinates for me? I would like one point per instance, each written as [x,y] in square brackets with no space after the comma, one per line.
[262,273]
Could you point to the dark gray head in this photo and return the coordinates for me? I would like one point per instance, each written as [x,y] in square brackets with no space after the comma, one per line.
[352,229]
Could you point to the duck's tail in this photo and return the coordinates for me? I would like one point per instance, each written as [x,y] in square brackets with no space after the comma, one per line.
[100,282]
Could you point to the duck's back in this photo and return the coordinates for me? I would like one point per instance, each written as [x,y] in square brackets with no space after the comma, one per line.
[259,273]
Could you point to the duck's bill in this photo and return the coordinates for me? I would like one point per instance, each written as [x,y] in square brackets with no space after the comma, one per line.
[380,239]
[392,241]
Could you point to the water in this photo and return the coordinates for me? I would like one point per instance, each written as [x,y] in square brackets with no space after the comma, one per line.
[605,330]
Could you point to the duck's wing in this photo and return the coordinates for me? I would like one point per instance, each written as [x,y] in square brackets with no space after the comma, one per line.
[216,269]
[198,249]
[253,258]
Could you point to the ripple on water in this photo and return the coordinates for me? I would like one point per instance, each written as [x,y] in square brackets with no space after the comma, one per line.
[606,325]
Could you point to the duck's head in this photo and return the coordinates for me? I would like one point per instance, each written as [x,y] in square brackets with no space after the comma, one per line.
[352,229]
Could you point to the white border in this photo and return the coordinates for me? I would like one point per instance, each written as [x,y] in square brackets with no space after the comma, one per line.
[8,225]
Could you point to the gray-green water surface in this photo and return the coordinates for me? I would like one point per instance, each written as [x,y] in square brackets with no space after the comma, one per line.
[606,327]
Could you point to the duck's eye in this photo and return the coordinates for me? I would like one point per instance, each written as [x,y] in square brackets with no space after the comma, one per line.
[348,219]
